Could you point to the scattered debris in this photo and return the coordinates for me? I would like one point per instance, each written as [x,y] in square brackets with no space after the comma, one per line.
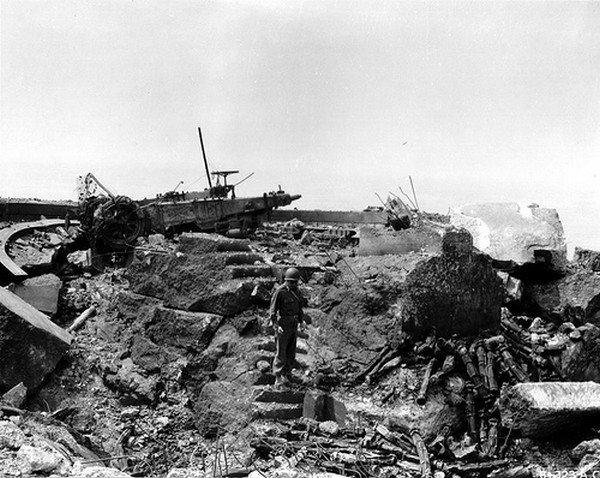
[432,361]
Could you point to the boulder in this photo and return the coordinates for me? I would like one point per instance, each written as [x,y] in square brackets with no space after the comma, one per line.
[30,343]
[513,232]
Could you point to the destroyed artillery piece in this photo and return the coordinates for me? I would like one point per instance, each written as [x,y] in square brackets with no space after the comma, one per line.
[112,224]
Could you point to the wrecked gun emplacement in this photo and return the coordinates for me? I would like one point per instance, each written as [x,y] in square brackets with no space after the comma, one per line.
[135,340]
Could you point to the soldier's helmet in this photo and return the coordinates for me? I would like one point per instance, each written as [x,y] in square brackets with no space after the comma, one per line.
[292,274]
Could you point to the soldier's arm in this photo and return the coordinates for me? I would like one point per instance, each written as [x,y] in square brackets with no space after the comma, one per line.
[274,307]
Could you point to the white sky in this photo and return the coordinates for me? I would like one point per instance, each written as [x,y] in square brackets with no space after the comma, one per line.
[335,100]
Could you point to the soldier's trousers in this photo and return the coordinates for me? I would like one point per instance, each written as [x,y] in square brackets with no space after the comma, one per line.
[285,354]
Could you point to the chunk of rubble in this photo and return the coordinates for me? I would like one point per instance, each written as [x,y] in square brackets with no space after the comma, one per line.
[323,408]
[16,396]
[587,259]
[199,283]
[540,409]
[376,241]
[457,292]
[580,359]
[573,298]
[41,292]
[11,436]
[30,343]
[513,232]
[191,331]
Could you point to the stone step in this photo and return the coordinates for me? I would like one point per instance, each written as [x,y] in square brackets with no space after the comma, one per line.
[280,396]
[242,271]
[264,379]
[277,411]
[243,258]
[202,243]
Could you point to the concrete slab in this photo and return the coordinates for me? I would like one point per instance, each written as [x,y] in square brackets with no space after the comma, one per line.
[278,411]
[280,396]
[513,232]
[41,292]
[30,343]
[539,409]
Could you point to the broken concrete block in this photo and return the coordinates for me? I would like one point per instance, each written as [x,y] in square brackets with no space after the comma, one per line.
[572,298]
[513,288]
[584,448]
[41,292]
[377,241]
[42,460]
[130,380]
[30,343]
[178,280]
[580,359]
[16,396]
[455,293]
[11,436]
[278,411]
[513,232]
[191,331]
[324,408]
[587,259]
[544,408]
[195,283]
[227,298]
[201,243]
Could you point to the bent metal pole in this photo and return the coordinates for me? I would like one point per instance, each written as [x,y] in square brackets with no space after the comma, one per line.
[204,157]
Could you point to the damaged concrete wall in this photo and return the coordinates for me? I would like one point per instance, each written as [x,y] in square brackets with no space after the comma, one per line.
[513,232]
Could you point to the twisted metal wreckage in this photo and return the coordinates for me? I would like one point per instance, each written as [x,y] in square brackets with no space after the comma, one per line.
[111,224]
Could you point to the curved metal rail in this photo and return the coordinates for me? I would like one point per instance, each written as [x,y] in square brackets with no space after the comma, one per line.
[12,232]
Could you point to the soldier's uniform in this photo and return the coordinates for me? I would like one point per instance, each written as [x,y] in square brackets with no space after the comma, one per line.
[285,312]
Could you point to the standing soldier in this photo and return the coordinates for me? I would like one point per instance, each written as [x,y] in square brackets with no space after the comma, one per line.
[286,314]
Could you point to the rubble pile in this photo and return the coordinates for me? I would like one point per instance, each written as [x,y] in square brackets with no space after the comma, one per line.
[436,360]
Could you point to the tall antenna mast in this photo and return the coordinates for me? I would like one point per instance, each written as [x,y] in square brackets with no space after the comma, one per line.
[204,156]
